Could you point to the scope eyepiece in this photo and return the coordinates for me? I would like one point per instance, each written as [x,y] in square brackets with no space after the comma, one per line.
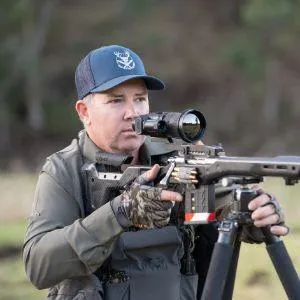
[189,125]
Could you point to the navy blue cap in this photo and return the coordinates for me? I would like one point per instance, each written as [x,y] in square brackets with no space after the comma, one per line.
[108,66]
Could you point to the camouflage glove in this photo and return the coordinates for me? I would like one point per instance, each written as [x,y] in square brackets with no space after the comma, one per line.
[142,205]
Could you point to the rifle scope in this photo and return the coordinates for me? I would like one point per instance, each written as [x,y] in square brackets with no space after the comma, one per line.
[188,125]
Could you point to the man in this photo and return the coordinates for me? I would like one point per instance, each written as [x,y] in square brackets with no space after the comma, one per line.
[86,241]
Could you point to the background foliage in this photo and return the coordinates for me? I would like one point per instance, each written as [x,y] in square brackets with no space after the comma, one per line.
[237,61]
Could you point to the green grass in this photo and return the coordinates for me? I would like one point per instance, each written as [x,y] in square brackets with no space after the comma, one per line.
[16,197]
[14,284]
[12,232]
[256,277]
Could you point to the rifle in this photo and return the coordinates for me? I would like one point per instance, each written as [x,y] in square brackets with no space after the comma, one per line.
[196,170]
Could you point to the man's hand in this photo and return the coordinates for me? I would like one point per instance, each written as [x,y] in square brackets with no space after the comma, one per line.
[145,206]
[267,211]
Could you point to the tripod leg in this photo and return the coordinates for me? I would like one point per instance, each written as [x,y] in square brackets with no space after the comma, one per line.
[283,265]
[220,262]
[229,286]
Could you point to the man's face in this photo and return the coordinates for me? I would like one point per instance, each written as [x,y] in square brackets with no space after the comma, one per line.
[109,116]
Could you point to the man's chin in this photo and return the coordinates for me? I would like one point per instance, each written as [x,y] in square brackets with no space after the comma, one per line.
[131,144]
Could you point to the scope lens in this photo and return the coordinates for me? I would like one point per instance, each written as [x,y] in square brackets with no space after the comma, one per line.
[191,126]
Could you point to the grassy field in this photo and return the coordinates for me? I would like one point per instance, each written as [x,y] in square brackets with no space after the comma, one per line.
[17,191]
[256,277]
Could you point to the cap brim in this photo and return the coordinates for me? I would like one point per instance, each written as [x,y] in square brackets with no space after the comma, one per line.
[152,83]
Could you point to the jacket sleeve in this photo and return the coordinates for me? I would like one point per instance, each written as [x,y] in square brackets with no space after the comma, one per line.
[58,243]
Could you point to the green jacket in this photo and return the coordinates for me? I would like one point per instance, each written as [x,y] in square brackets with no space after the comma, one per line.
[63,247]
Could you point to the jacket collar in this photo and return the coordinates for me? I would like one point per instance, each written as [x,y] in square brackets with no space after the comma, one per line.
[91,152]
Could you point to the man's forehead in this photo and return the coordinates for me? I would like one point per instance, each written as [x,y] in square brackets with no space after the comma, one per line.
[134,86]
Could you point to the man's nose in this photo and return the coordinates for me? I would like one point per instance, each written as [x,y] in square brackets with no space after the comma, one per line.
[131,111]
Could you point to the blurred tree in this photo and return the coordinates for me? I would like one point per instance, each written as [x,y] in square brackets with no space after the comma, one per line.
[24,26]
[260,48]
[35,26]
[9,71]
[270,19]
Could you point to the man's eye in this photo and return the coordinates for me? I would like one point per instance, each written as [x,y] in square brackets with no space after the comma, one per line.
[115,100]
[141,99]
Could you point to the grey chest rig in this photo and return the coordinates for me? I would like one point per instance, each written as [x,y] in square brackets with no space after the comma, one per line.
[100,190]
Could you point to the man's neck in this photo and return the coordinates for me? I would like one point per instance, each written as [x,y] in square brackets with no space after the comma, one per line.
[135,157]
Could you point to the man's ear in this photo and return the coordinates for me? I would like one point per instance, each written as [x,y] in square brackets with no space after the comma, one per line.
[83,112]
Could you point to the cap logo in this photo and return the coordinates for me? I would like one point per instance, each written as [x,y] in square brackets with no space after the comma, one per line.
[124,60]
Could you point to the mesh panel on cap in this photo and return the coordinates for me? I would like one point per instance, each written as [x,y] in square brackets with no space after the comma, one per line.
[84,78]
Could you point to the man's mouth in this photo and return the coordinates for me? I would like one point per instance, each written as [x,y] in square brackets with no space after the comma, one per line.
[128,130]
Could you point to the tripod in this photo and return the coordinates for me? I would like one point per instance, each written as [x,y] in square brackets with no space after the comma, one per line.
[220,279]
